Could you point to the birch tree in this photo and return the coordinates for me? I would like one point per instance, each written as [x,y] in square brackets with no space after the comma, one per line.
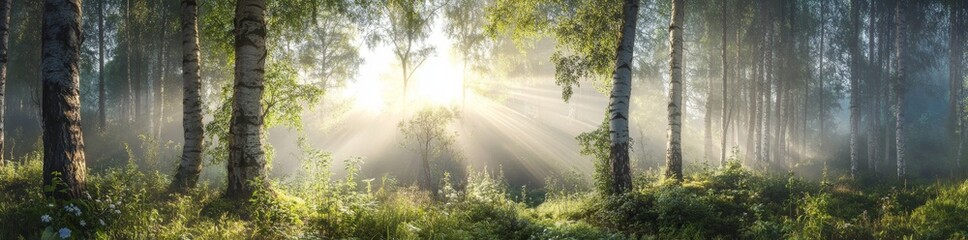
[956,44]
[855,90]
[101,92]
[673,157]
[4,37]
[190,165]
[247,160]
[618,106]
[899,91]
[61,38]
[725,113]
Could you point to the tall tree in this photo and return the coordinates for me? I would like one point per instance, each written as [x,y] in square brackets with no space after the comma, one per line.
[673,157]
[853,43]
[466,26]
[63,141]
[190,165]
[247,160]
[407,27]
[4,37]
[129,102]
[162,64]
[899,88]
[101,92]
[725,112]
[618,106]
[822,115]
[956,77]
[873,109]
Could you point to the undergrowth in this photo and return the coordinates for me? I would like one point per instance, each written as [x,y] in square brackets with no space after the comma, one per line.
[726,203]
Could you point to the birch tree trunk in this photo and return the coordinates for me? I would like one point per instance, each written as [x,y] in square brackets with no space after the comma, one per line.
[101,92]
[707,141]
[873,107]
[725,113]
[246,165]
[855,90]
[190,165]
[821,116]
[63,141]
[129,103]
[773,83]
[899,44]
[4,37]
[955,54]
[160,85]
[618,107]
[673,157]
[753,113]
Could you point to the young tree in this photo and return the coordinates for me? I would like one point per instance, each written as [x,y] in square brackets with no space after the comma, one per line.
[673,157]
[246,162]
[190,165]
[618,107]
[426,133]
[63,141]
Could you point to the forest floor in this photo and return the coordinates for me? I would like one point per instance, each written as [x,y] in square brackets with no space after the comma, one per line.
[727,203]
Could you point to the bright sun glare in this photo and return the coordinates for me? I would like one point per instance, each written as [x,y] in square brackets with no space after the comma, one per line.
[438,82]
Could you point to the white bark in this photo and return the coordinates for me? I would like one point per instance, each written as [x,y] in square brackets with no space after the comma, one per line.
[190,165]
[246,157]
[618,107]
[673,144]
[899,45]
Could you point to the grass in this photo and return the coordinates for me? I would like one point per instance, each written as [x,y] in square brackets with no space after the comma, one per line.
[727,203]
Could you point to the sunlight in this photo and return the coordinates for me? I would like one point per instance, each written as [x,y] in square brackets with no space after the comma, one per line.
[439,81]
[367,94]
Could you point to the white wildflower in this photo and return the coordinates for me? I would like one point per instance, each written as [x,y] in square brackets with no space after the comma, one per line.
[64,233]
[111,206]
[412,228]
[45,218]
[83,223]
[116,211]
[50,205]
[101,221]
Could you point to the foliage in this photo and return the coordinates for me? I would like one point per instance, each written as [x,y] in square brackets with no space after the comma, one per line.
[582,53]
[596,144]
[427,134]
[726,203]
